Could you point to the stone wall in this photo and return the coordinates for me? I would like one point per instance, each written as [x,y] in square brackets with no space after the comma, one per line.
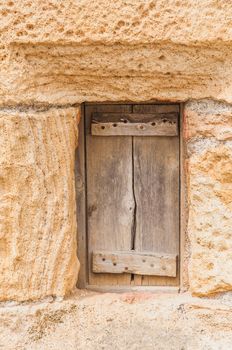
[55,55]
[74,51]
[37,206]
[208,133]
[37,203]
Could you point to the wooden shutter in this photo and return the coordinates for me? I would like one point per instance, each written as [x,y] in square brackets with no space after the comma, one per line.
[156,178]
[132,194]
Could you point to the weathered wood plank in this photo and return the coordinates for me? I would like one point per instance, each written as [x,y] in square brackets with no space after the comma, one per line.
[137,263]
[156,181]
[156,108]
[109,198]
[158,127]
[134,118]
[92,110]
[81,203]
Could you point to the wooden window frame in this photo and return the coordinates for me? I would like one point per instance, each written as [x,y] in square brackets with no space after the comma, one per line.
[82,243]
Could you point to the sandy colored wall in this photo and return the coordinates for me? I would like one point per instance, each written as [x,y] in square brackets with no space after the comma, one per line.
[208,134]
[37,203]
[110,321]
[38,224]
[54,51]
[55,55]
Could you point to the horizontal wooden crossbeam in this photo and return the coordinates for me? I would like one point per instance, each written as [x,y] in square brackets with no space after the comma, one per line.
[134,262]
[115,124]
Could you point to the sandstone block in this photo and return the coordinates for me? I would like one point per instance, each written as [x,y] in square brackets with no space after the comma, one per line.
[131,22]
[69,73]
[208,119]
[209,131]
[75,51]
[37,203]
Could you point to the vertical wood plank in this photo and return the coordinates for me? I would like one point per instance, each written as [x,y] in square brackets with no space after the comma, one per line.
[156,179]
[81,203]
[109,197]
[184,256]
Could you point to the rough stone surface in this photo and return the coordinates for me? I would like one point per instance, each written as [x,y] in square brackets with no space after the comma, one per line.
[54,73]
[74,51]
[56,53]
[209,136]
[208,119]
[118,322]
[132,21]
[37,203]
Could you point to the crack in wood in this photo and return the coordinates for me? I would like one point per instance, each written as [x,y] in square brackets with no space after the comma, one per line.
[133,227]
[134,222]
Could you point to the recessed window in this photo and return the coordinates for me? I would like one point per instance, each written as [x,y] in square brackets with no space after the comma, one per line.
[128,161]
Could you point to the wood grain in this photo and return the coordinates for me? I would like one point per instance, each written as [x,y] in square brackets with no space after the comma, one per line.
[149,264]
[156,108]
[132,194]
[109,199]
[81,203]
[134,118]
[157,127]
[156,178]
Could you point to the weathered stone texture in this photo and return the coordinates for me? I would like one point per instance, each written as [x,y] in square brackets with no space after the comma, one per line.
[62,52]
[207,119]
[132,21]
[74,51]
[208,132]
[37,203]
[119,322]
[54,73]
